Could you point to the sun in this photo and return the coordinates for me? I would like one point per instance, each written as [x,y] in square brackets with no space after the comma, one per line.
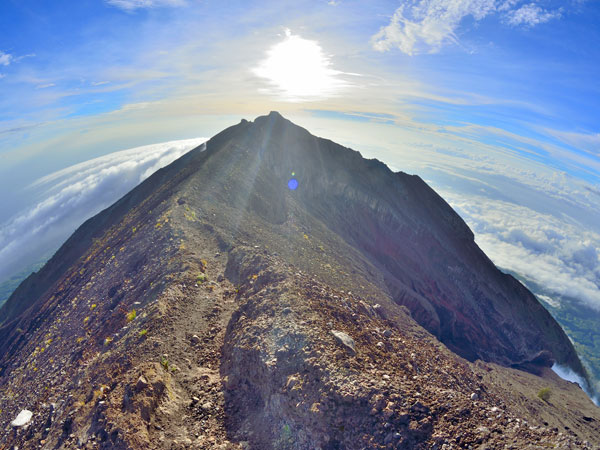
[298,70]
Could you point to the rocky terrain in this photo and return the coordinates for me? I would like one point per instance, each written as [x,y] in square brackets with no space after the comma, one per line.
[213,307]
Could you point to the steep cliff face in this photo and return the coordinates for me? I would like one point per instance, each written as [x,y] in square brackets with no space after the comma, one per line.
[214,306]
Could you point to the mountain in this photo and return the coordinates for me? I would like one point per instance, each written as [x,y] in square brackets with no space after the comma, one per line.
[272,289]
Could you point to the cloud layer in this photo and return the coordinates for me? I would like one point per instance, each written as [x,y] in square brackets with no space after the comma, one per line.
[425,26]
[551,250]
[70,196]
[132,5]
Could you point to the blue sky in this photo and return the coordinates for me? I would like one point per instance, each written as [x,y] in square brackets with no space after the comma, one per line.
[494,102]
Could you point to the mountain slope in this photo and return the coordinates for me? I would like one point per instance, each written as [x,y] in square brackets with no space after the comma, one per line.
[238,285]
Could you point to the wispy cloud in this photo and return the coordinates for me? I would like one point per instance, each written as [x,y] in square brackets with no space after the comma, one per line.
[587,142]
[132,5]
[5,58]
[70,196]
[425,26]
[531,14]
[45,85]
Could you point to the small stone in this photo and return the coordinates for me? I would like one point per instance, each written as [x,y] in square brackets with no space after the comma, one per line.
[474,396]
[141,383]
[387,334]
[207,406]
[380,344]
[195,340]
[22,419]
[345,340]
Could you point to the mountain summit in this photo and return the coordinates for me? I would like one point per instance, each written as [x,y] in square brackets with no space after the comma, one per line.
[272,289]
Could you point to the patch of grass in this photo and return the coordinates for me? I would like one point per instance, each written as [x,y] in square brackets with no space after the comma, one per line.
[143,333]
[202,278]
[544,394]
[164,362]
[131,315]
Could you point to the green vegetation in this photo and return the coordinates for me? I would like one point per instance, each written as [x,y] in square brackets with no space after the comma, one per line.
[544,394]
[202,278]
[131,315]
[164,362]
[143,332]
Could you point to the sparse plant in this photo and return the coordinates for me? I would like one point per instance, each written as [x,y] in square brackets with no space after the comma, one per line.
[201,278]
[544,394]
[131,315]
[93,306]
[164,362]
[108,340]
[143,332]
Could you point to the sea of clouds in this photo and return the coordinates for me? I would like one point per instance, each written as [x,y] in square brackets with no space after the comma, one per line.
[65,199]
[553,250]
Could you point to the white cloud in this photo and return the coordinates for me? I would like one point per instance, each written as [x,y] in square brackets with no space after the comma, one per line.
[425,26]
[45,86]
[554,251]
[567,374]
[531,14]
[588,142]
[132,5]
[70,196]
[5,58]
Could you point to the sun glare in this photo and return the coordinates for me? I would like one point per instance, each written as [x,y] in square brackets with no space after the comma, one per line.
[298,70]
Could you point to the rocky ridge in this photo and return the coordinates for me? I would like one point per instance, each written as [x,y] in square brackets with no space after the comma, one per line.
[220,311]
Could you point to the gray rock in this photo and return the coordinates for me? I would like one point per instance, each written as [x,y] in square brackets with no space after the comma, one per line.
[141,383]
[345,340]
[387,334]
[474,396]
